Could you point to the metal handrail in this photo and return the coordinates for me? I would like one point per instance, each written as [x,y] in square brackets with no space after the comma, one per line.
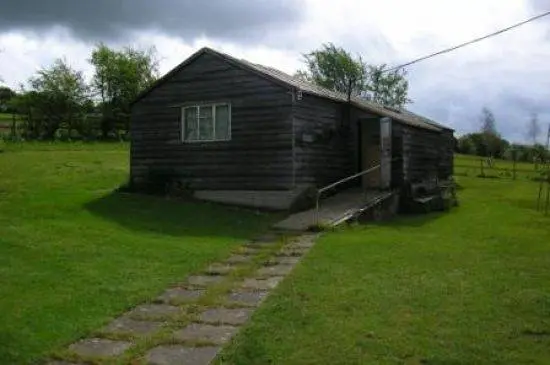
[339,182]
[346,179]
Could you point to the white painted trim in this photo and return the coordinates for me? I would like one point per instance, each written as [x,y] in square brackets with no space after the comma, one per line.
[213,107]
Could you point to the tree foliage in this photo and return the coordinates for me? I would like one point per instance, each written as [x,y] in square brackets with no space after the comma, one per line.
[58,96]
[6,94]
[488,122]
[482,144]
[58,102]
[489,134]
[387,88]
[119,76]
[336,69]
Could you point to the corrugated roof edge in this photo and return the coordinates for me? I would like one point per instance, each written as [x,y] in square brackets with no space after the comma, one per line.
[286,80]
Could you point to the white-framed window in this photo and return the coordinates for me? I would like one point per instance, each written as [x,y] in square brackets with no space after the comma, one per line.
[206,122]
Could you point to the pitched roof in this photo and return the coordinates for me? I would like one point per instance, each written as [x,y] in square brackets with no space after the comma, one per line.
[284,79]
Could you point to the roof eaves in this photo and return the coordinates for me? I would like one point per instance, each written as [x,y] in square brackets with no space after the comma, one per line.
[232,60]
[288,81]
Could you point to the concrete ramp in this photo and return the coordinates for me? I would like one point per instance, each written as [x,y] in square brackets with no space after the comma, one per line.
[334,210]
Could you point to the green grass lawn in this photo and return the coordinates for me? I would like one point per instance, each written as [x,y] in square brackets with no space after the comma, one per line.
[73,254]
[467,287]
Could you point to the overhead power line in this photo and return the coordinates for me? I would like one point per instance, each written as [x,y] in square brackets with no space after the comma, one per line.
[447,50]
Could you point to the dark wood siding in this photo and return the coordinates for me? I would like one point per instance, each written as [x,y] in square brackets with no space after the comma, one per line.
[446,168]
[323,138]
[397,164]
[259,154]
[426,154]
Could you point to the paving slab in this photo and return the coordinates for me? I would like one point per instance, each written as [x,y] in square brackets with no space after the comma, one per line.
[219,269]
[250,298]
[238,259]
[282,260]
[181,355]
[205,332]
[276,270]
[127,325]
[234,317]
[204,280]
[303,243]
[99,347]
[154,311]
[261,284]
[292,252]
[180,295]
[288,260]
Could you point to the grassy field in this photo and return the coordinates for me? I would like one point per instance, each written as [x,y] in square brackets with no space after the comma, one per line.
[73,254]
[467,287]
[468,165]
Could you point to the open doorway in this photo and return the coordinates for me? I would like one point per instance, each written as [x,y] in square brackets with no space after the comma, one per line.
[369,152]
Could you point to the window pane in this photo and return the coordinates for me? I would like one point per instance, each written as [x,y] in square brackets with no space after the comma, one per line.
[206,123]
[222,122]
[191,126]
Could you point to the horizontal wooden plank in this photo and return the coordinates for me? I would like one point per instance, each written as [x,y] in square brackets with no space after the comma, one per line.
[259,153]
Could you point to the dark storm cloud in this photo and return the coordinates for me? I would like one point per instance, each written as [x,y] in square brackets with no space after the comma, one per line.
[242,21]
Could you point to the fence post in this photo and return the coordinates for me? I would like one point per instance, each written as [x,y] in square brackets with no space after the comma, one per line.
[547,196]
[481,164]
[13,127]
[514,156]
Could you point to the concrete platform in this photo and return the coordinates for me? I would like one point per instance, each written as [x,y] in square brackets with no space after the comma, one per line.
[263,199]
[333,210]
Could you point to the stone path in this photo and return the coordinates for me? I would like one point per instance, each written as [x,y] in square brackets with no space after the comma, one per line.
[191,322]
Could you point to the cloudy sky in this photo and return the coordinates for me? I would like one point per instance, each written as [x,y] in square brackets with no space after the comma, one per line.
[509,73]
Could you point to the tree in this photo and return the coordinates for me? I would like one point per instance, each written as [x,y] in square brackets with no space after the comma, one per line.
[57,98]
[336,69]
[6,94]
[118,78]
[491,138]
[482,144]
[387,88]
[533,128]
[466,146]
[488,122]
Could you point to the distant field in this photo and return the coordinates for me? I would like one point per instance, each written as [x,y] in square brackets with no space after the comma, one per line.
[5,122]
[467,165]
